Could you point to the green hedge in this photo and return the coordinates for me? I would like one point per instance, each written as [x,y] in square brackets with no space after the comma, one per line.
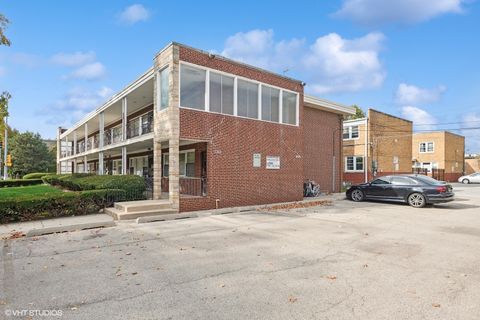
[134,186]
[19,183]
[58,205]
[36,175]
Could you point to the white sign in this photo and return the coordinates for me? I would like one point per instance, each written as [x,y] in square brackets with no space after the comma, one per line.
[273,162]
[257,160]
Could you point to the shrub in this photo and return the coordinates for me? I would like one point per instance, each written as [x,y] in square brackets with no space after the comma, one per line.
[58,205]
[36,175]
[19,183]
[134,186]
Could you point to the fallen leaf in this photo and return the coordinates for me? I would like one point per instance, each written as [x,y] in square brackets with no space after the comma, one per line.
[292,299]
[331,277]
[222,285]
[134,273]
[436,305]
[128,253]
[365,265]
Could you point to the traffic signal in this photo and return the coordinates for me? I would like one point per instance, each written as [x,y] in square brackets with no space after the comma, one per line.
[9,160]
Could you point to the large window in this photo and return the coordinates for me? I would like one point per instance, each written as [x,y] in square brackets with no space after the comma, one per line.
[247,97]
[354,164]
[192,87]
[186,164]
[164,88]
[208,90]
[426,147]
[270,104]
[289,107]
[350,132]
[221,93]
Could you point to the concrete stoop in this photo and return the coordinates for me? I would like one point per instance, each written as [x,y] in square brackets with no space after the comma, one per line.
[138,209]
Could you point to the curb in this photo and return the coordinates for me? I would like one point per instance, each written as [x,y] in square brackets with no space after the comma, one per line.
[68,228]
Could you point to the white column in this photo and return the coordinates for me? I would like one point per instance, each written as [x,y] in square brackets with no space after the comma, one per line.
[86,135]
[101,170]
[85,164]
[101,129]
[124,160]
[124,118]
[74,142]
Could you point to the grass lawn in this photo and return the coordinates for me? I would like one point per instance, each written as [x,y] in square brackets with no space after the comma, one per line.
[27,192]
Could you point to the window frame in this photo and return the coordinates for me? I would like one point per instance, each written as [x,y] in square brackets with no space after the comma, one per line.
[235,95]
[355,164]
[185,152]
[426,143]
[350,130]
[159,88]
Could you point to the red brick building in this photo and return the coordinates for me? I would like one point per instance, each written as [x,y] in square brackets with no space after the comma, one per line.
[211,132]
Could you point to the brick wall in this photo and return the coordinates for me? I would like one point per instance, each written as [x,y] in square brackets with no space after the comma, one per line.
[319,128]
[232,141]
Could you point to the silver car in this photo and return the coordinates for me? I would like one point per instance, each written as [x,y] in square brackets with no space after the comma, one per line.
[471,178]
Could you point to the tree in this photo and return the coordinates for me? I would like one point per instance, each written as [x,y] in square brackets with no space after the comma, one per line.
[358,113]
[4,98]
[30,154]
[3,25]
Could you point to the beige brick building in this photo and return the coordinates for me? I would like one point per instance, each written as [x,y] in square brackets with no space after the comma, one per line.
[441,150]
[377,145]
[472,166]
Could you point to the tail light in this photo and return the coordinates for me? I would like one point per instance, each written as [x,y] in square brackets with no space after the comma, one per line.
[442,189]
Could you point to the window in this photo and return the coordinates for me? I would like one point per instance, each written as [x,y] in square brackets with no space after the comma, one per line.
[221,93]
[403,181]
[270,104]
[247,99]
[426,147]
[164,74]
[289,107]
[354,164]
[117,167]
[380,181]
[192,87]
[138,166]
[186,164]
[350,132]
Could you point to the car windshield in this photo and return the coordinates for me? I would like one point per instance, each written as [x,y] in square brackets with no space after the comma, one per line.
[428,180]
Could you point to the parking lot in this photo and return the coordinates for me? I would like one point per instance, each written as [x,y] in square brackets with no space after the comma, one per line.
[344,261]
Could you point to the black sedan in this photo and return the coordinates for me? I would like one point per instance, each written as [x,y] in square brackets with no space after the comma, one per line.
[416,190]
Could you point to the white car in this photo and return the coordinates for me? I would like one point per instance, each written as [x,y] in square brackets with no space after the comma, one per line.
[471,178]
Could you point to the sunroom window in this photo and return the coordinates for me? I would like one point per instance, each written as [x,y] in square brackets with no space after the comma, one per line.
[192,87]
[247,94]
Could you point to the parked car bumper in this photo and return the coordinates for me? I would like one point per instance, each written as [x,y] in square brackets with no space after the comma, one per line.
[440,198]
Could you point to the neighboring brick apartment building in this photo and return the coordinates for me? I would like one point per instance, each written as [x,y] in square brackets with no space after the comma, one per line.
[379,144]
[472,165]
[211,132]
[441,150]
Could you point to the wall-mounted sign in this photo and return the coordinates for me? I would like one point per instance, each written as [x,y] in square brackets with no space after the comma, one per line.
[273,162]
[257,160]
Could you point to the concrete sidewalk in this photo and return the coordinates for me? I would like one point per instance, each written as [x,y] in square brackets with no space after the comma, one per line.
[40,227]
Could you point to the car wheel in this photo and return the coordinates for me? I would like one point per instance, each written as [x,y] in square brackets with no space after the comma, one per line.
[417,200]
[465,181]
[357,195]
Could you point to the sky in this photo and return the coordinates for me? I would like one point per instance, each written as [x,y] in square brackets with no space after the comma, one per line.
[417,59]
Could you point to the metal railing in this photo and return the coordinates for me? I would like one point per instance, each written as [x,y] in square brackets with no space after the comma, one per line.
[191,186]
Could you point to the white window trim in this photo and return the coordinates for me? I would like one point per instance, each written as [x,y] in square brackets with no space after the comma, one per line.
[235,88]
[181,152]
[349,128]
[426,147]
[354,163]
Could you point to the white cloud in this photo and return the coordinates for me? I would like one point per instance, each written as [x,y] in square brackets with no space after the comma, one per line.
[74,59]
[26,59]
[409,94]
[134,13]
[330,64]
[419,117]
[377,12]
[76,103]
[91,71]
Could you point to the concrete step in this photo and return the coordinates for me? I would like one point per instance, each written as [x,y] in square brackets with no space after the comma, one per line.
[122,215]
[144,205]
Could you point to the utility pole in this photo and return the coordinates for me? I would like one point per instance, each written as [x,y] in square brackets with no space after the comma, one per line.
[5,151]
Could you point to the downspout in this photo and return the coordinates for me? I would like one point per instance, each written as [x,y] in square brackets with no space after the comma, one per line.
[365,165]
